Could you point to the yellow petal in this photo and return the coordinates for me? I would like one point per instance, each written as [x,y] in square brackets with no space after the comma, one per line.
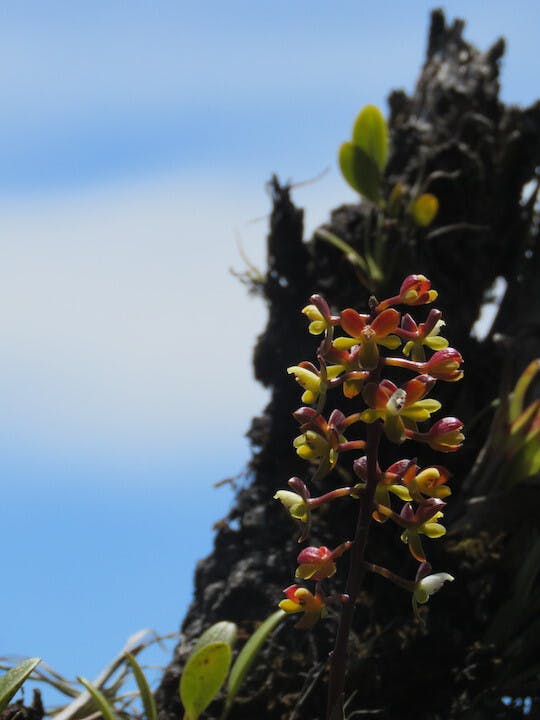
[401,491]
[390,341]
[369,416]
[394,429]
[306,378]
[332,371]
[309,397]
[289,606]
[317,327]
[306,571]
[343,343]
[433,530]
[436,342]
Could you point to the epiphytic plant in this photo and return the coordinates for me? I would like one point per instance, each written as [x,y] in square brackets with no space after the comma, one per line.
[399,208]
[358,362]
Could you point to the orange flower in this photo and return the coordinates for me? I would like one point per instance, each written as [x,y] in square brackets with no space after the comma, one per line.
[309,378]
[387,482]
[319,314]
[300,599]
[423,334]
[422,521]
[430,482]
[349,362]
[399,408]
[369,335]
[320,439]
[414,290]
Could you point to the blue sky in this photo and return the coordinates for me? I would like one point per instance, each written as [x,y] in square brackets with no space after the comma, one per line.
[135,142]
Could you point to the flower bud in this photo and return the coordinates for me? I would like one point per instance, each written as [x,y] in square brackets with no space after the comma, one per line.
[444,365]
[445,435]
[416,290]
[315,563]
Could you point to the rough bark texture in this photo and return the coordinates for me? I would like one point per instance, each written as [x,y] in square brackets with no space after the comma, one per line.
[454,138]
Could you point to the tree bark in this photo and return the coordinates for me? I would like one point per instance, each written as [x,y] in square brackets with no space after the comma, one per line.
[455,139]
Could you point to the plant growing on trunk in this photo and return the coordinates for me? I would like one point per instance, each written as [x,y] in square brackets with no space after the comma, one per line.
[359,363]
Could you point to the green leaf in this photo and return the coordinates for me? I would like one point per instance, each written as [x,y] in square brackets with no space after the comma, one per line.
[219,632]
[526,462]
[247,655]
[147,698]
[203,676]
[360,171]
[350,253]
[522,385]
[370,134]
[105,708]
[525,421]
[11,681]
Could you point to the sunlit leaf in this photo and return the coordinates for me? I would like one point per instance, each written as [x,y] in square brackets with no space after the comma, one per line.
[203,676]
[370,134]
[147,697]
[12,680]
[424,209]
[219,632]
[249,652]
[350,253]
[360,171]
[105,708]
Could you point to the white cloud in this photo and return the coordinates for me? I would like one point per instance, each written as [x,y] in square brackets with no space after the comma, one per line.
[117,309]
[120,324]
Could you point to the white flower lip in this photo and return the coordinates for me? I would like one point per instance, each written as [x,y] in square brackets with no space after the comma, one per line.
[430,585]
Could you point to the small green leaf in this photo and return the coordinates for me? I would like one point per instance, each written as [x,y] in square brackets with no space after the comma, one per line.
[105,708]
[526,420]
[360,171]
[350,253]
[203,676]
[424,209]
[522,385]
[147,698]
[526,462]
[11,681]
[219,632]
[370,134]
[249,652]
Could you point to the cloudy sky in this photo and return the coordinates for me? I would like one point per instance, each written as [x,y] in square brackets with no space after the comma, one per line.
[136,139]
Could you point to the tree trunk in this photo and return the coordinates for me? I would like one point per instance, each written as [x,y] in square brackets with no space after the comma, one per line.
[455,139]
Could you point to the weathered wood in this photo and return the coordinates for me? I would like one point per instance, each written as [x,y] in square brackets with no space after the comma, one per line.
[455,138]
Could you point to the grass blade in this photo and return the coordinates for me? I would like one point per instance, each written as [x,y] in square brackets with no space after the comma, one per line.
[11,681]
[147,697]
[101,701]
